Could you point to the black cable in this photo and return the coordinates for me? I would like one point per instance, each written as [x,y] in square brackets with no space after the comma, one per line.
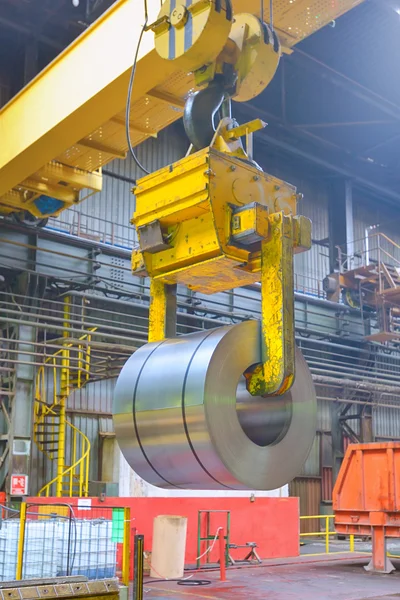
[194,582]
[271,14]
[128,99]
[187,582]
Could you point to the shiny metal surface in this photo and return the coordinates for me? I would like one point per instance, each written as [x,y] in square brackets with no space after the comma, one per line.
[183,417]
[264,420]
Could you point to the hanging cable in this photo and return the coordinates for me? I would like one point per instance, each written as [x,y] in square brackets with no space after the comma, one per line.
[262,10]
[128,100]
[271,13]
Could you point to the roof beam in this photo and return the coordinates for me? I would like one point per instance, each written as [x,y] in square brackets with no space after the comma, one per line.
[304,60]
[291,141]
[95,145]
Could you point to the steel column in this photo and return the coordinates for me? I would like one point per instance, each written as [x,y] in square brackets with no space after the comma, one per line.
[162,311]
[348,202]
[337,440]
[21,410]
[341,227]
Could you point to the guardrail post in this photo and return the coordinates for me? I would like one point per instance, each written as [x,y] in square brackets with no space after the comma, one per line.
[327,527]
[21,541]
[352,542]
[222,557]
[126,546]
[138,549]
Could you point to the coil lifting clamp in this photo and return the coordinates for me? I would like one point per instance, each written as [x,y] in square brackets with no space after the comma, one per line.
[214,220]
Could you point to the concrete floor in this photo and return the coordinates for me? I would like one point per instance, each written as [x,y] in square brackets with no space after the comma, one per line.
[304,578]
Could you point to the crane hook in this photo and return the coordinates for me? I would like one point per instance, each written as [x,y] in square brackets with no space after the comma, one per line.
[200,111]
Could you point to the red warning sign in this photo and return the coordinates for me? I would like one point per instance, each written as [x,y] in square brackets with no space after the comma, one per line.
[19,485]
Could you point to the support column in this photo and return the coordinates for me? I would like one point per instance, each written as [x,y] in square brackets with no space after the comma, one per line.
[366,430]
[341,226]
[21,410]
[380,563]
[64,392]
[337,441]
[162,311]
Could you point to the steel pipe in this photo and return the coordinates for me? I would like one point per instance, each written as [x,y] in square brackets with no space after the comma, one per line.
[183,418]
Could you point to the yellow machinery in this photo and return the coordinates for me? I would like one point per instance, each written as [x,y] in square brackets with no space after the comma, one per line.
[69,121]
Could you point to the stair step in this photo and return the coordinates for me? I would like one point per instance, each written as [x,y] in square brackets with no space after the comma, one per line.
[46,442]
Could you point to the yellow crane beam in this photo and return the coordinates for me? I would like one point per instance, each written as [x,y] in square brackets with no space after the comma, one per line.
[73,111]
[82,88]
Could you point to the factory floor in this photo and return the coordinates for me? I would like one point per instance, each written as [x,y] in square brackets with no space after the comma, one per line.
[305,578]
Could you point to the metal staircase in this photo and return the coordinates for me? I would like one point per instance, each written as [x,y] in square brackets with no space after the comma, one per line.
[66,370]
[373,286]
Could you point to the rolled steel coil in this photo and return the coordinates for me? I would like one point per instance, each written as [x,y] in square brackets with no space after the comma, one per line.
[184,419]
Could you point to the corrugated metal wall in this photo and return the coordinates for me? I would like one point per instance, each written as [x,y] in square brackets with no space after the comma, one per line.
[312,466]
[308,490]
[386,423]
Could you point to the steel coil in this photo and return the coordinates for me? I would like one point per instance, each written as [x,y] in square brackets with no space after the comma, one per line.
[184,419]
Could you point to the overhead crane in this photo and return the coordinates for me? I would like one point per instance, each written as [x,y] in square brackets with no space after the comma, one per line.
[233,407]
[67,123]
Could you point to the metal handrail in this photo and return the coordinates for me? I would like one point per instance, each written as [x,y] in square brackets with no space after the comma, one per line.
[327,533]
[79,469]
[83,462]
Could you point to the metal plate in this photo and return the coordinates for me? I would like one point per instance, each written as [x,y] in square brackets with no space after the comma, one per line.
[184,419]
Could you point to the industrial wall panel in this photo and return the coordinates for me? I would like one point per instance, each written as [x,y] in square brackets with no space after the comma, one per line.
[308,490]
[324,420]
[311,267]
[95,397]
[326,484]
[312,466]
[386,422]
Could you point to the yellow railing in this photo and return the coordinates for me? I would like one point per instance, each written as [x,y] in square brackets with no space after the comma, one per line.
[326,535]
[79,470]
[50,421]
[54,416]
